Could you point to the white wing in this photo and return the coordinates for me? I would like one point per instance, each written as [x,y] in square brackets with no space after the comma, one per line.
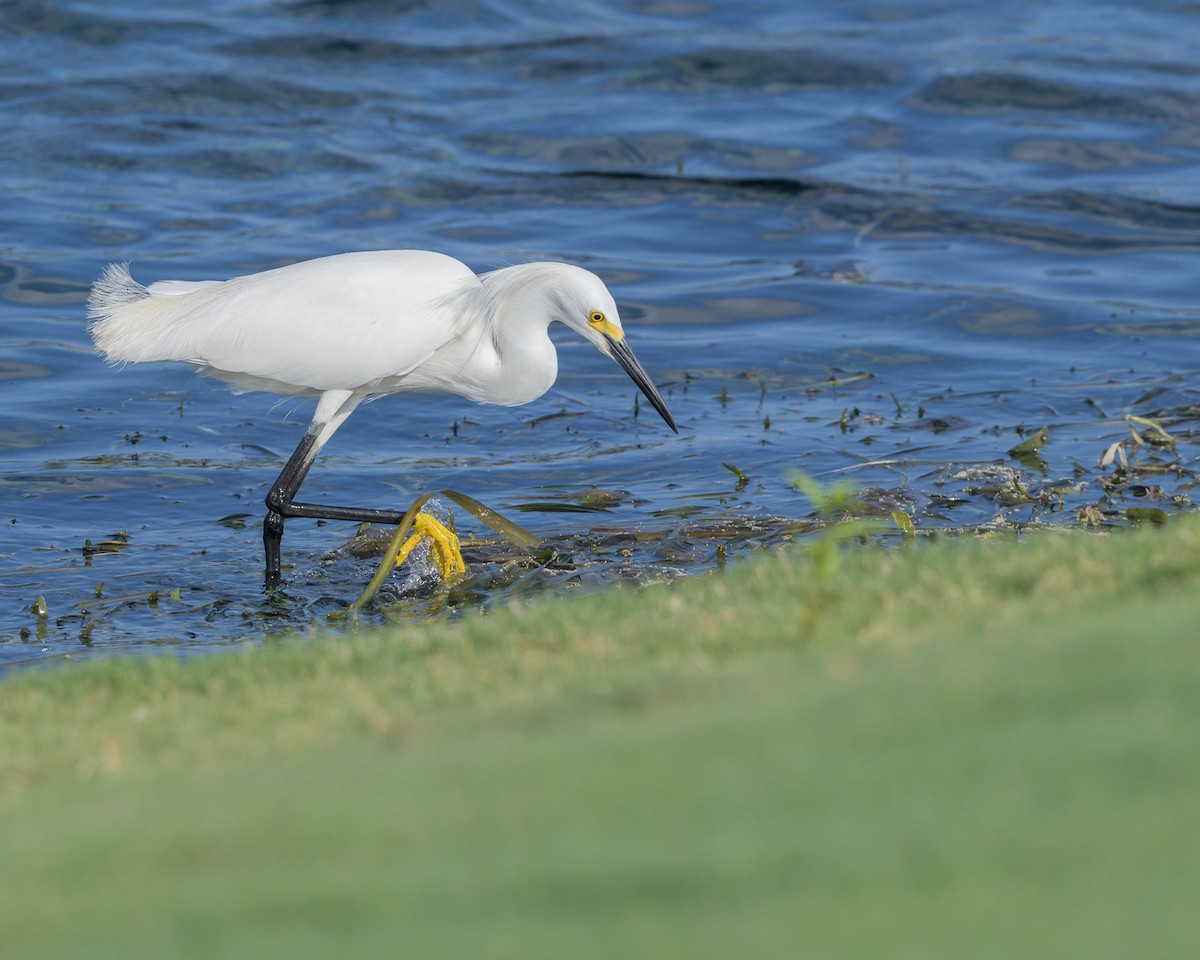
[177,288]
[342,322]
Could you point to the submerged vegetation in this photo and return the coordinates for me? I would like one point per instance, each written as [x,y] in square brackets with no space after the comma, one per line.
[1126,469]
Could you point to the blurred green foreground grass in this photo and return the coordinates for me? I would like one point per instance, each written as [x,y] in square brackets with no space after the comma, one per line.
[964,749]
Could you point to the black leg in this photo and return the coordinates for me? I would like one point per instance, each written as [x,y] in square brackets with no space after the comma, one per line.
[272,537]
[281,506]
[280,496]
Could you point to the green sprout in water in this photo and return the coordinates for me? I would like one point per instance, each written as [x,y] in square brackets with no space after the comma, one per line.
[840,509]
[742,478]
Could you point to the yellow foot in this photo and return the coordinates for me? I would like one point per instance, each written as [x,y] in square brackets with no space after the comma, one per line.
[443,543]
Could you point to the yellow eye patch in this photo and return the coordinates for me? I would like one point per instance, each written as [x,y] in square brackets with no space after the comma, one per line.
[600,323]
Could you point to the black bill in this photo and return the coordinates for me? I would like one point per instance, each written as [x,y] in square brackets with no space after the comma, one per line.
[620,351]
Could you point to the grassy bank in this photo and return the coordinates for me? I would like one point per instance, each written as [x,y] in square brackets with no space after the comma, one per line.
[964,750]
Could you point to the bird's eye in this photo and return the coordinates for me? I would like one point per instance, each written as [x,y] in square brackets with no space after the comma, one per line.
[596,317]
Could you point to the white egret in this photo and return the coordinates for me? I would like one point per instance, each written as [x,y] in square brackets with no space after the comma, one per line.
[347,327]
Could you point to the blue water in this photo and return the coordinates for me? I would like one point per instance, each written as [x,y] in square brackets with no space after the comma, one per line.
[879,243]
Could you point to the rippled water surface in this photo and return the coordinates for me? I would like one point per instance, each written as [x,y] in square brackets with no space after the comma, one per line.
[878,243]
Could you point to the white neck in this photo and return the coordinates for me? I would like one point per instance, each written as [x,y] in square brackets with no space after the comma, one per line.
[516,361]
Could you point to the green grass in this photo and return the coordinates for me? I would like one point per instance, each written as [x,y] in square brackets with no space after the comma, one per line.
[959,750]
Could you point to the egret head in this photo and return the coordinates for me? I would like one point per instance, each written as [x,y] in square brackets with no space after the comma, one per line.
[589,308]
